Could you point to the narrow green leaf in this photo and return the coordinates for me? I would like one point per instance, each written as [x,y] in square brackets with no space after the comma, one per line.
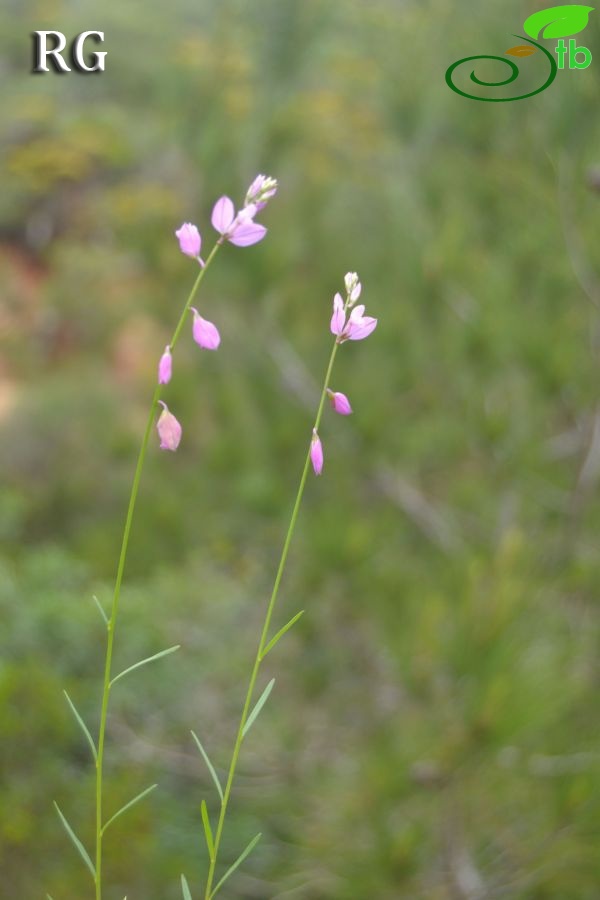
[48,897]
[280,634]
[79,846]
[209,765]
[82,725]
[100,607]
[185,889]
[207,830]
[144,662]
[259,705]
[129,805]
[237,863]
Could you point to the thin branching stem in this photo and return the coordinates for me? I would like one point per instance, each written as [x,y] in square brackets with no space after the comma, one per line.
[112,621]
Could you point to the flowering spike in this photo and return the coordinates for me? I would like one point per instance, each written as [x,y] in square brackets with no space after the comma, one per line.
[189,239]
[165,366]
[206,334]
[316,453]
[339,402]
[169,429]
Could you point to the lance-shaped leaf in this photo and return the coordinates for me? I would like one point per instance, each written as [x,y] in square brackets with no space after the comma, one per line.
[207,830]
[281,632]
[129,805]
[185,889]
[259,705]
[82,725]
[144,662]
[557,21]
[79,846]
[101,609]
[237,863]
[209,765]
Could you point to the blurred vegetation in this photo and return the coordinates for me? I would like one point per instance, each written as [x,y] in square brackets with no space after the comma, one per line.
[434,728]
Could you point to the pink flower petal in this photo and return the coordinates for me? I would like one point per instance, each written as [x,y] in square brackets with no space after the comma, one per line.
[357,313]
[223,215]
[247,213]
[338,319]
[247,233]
[362,329]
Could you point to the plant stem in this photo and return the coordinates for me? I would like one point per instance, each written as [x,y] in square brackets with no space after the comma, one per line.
[111,626]
[264,636]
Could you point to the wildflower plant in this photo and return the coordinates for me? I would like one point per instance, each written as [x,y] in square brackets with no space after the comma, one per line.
[241,230]
[348,322]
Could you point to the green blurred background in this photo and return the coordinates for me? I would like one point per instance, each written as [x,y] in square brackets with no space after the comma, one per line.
[434,731]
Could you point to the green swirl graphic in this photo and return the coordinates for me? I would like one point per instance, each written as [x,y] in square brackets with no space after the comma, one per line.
[514,73]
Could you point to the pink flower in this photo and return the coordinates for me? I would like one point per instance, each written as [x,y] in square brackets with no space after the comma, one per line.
[358,325]
[189,239]
[205,333]
[262,189]
[316,453]
[165,367]
[239,229]
[339,402]
[169,429]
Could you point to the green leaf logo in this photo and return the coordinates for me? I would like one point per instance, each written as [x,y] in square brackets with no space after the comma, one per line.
[558,21]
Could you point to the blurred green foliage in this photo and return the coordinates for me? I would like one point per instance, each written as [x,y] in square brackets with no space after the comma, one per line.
[433,732]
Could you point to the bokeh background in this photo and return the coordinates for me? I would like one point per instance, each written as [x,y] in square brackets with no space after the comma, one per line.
[433,732]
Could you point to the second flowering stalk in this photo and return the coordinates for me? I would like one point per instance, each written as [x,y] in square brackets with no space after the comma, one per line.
[354,326]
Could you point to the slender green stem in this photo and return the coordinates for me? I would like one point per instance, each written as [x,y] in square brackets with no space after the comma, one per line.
[264,637]
[111,625]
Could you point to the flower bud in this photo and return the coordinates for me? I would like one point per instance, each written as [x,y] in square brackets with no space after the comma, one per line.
[205,333]
[189,239]
[169,429]
[353,286]
[339,402]
[316,453]
[165,367]
[262,189]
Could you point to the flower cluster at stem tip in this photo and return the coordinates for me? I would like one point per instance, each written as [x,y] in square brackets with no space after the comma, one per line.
[353,327]
[348,321]
[240,229]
